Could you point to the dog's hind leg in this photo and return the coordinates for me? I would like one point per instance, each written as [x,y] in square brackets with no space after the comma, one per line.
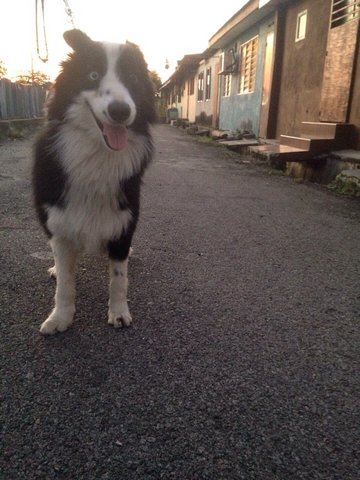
[62,315]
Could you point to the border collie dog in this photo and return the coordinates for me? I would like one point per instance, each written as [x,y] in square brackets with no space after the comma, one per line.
[88,165]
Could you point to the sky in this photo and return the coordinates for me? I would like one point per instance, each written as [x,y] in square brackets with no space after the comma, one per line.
[163,29]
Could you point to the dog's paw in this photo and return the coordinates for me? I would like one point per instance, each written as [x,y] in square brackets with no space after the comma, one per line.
[119,316]
[57,322]
[52,272]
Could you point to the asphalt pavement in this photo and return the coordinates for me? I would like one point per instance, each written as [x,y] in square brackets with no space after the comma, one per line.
[242,360]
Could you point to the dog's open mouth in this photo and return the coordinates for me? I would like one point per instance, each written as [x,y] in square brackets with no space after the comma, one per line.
[115,136]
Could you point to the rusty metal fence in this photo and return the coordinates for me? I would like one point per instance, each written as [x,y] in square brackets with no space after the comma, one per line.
[21,101]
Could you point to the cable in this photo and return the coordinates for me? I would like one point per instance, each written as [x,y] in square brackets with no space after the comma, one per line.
[69,13]
[45,58]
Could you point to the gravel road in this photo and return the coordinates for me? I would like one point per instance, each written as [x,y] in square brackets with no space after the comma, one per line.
[242,361]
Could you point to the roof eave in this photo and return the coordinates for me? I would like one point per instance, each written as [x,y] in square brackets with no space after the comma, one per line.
[245,18]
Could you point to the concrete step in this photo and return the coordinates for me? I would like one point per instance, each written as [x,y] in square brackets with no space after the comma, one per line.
[318,130]
[313,145]
[325,130]
[284,153]
[238,145]
[296,142]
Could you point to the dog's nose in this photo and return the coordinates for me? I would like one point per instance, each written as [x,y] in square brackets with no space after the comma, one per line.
[119,111]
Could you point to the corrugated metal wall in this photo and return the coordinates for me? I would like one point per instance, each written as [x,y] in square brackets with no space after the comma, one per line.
[21,101]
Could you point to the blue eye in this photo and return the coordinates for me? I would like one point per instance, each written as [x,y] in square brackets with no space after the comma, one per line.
[94,76]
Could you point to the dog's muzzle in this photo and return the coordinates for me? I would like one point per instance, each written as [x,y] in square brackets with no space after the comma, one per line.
[115,135]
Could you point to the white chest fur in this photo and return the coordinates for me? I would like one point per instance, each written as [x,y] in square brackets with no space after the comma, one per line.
[91,215]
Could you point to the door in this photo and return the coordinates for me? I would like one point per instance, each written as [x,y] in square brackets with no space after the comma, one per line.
[338,72]
[266,87]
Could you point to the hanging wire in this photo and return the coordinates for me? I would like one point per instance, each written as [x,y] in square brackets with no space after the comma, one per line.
[46,57]
[69,13]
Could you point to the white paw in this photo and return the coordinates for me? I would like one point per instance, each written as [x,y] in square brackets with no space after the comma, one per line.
[57,322]
[52,272]
[119,316]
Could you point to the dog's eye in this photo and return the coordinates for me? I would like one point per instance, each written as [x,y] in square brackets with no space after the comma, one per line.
[93,76]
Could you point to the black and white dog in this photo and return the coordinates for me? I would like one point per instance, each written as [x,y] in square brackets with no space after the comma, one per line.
[88,166]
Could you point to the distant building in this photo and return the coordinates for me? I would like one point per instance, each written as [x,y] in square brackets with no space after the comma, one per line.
[277,69]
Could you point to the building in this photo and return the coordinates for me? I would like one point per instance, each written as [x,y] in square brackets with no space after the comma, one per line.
[246,43]
[280,69]
[207,95]
[179,91]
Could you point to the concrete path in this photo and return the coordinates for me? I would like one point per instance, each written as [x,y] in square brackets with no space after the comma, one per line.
[242,362]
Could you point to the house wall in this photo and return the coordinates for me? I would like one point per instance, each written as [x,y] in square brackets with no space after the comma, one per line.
[191,101]
[183,104]
[302,66]
[354,116]
[242,111]
[206,110]
[338,72]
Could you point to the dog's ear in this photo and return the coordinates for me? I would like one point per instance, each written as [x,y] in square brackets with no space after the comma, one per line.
[77,39]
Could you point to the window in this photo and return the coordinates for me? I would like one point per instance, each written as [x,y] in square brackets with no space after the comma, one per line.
[227,85]
[344,11]
[191,86]
[301,26]
[248,57]
[226,77]
[200,96]
[208,84]
[178,93]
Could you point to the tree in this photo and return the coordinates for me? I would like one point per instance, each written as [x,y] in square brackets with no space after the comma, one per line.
[33,77]
[3,69]
[156,80]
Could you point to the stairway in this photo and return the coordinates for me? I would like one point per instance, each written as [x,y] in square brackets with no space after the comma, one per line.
[316,138]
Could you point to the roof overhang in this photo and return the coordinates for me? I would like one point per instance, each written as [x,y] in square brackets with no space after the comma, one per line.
[249,15]
[186,68]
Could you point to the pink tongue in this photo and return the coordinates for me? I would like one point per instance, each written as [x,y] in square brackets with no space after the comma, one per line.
[117,137]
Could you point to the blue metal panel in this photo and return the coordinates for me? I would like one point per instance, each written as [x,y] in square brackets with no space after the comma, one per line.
[242,111]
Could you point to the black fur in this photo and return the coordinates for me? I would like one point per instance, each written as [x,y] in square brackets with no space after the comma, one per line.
[48,177]
[50,181]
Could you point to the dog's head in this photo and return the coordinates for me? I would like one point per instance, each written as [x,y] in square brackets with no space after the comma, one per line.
[103,87]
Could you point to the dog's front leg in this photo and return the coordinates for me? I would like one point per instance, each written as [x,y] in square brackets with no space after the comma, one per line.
[62,315]
[119,314]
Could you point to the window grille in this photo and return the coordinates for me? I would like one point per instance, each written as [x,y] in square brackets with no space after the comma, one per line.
[248,57]
[200,95]
[227,85]
[344,11]
[208,84]
[192,86]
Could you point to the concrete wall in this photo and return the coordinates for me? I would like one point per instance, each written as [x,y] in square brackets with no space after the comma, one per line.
[207,109]
[338,72]
[242,111]
[302,66]
[191,101]
[21,101]
[187,105]
[354,116]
